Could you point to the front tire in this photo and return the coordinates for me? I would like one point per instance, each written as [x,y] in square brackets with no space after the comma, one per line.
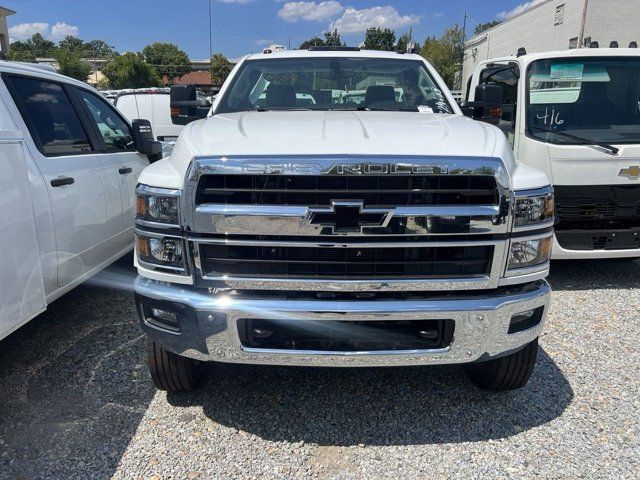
[171,372]
[505,373]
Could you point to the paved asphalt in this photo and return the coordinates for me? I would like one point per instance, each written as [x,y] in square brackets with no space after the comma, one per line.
[76,402]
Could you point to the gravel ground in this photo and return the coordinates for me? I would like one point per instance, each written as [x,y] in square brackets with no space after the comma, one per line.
[76,402]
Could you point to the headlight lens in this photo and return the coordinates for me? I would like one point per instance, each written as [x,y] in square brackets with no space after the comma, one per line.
[532,209]
[161,251]
[152,205]
[529,253]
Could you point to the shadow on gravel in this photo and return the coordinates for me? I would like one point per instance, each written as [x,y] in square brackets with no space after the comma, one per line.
[390,406]
[73,386]
[611,273]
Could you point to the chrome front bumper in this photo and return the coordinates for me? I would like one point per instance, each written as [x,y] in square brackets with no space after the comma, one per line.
[208,323]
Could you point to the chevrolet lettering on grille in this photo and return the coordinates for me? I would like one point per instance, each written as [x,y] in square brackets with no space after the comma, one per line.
[346,217]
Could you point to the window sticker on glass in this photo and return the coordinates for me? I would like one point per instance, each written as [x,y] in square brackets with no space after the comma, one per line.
[567,71]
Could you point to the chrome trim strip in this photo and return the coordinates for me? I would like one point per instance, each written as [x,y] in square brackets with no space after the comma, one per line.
[481,324]
[164,226]
[166,192]
[335,243]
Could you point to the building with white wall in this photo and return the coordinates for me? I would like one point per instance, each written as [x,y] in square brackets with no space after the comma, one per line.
[556,25]
[4,32]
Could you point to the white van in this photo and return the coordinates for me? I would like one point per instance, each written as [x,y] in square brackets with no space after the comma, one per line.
[69,165]
[153,107]
[575,114]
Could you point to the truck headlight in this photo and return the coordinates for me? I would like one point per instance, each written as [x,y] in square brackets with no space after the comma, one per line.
[533,207]
[160,251]
[157,205]
[529,253]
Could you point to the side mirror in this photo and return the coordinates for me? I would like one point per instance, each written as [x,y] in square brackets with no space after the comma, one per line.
[185,105]
[486,105]
[144,141]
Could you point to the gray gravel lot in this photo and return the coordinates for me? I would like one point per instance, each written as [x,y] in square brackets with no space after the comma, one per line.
[76,402]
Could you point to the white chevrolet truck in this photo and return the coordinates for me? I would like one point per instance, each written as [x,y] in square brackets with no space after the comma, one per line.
[575,114]
[302,225]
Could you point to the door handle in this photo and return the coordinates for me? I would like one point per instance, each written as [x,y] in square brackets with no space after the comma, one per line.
[59,182]
[124,170]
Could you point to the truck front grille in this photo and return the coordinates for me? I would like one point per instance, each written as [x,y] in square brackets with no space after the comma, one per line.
[372,190]
[338,263]
[345,336]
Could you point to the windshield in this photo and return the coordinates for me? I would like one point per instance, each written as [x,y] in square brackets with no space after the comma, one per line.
[325,83]
[594,99]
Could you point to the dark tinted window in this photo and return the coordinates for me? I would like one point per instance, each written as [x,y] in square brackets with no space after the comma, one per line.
[114,130]
[51,119]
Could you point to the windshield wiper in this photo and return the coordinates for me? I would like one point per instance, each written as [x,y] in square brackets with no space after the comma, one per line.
[585,141]
[386,109]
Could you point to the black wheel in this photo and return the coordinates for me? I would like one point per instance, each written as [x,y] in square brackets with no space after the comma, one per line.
[171,372]
[505,373]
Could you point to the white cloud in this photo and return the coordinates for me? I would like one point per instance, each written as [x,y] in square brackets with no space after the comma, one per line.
[264,41]
[62,29]
[356,21]
[23,31]
[312,11]
[519,9]
[438,15]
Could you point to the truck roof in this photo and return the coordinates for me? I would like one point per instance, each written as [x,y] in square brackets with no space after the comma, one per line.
[575,52]
[20,68]
[333,53]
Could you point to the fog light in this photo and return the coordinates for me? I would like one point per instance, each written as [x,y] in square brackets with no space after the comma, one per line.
[529,253]
[164,315]
[525,320]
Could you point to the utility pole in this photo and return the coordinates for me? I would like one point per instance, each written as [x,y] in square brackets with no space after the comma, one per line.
[210,45]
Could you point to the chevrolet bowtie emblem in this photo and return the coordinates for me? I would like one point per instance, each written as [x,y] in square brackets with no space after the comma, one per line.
[633,172]
[348,217]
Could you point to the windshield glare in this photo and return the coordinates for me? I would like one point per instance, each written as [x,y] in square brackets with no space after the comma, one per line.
[326,83]
[596,99]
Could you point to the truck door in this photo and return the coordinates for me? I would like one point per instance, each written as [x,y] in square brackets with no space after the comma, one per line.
[22,294]
[119,155]
[506,75]
[85,216]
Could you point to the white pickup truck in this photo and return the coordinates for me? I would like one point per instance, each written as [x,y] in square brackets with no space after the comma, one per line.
[69,166]
[380,230]
[575,114]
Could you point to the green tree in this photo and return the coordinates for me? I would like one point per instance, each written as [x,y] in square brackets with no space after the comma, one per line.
[332,39]
[167,59]
[312,42]
[71,64]
[21,52]
[99,49]
[445,53]
[129,70]
[378,39]
[481,27]
[71,44]
[220,69]
[40,46]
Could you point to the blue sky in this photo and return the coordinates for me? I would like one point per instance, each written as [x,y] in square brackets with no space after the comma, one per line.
[241,26]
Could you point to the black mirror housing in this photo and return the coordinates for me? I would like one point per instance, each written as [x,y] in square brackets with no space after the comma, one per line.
[487,104]
[144,141]
[185,105]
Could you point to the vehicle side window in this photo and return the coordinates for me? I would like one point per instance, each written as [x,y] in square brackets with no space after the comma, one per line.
[114,130]
[507,77]
[50,117]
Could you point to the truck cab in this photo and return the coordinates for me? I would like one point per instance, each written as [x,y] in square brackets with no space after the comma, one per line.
[575,115]
[70,164]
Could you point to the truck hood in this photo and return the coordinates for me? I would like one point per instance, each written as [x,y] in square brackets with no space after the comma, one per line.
[337,133]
